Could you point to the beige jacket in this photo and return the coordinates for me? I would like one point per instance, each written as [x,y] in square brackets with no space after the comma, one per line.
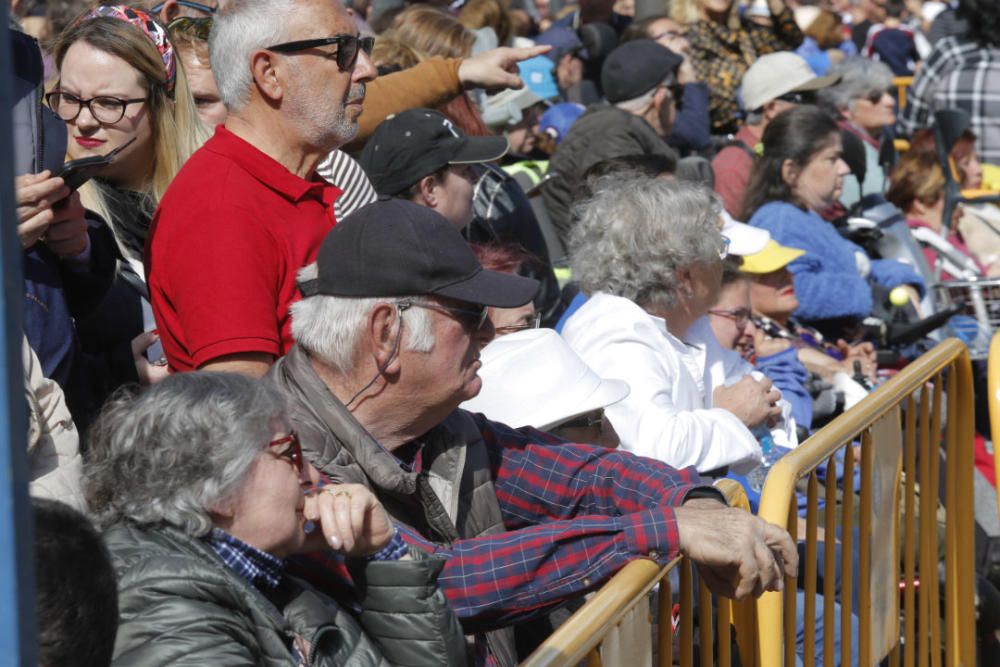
[54,458]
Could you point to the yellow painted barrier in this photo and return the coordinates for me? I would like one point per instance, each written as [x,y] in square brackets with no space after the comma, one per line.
[907,429]
[902,84]
[614,627]
[993,387]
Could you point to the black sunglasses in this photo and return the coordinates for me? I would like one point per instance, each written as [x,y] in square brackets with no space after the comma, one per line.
[798,98]
[157,8]
[348,47]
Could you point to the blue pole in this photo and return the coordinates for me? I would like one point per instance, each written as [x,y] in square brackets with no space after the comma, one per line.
[17,583]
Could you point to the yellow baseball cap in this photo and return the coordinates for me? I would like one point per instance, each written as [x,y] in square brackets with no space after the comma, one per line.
[773,257]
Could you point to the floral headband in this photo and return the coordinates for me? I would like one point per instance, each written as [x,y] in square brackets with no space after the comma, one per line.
[149,28]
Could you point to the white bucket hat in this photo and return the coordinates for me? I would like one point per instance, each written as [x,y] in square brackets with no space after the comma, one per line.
[534,378]
[776,74]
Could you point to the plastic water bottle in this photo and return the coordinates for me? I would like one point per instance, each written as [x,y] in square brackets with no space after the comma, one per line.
[756,477]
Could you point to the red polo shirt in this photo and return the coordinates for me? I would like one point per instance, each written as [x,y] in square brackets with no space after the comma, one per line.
[225,244]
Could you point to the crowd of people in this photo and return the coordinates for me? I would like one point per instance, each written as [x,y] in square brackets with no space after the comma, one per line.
[381,332]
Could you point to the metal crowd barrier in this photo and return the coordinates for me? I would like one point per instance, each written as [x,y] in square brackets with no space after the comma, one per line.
[914,432]
[615,628]
[993,401]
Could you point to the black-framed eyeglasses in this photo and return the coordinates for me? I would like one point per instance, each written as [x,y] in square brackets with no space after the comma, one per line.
[199,28]
[348,47]
[741,316]
[533,323]
[876,96]
[289,449]
[471,319]
[197,6]
[104,108]
[797,98]
[724,247]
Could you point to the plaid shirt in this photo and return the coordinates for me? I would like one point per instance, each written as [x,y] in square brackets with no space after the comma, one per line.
[964,75]
[262,570]
[576,515]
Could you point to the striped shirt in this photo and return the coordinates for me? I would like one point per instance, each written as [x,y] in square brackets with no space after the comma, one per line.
[342,170]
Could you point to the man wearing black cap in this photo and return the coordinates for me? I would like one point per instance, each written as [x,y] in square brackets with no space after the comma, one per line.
[638,78]
[388,335]
[421,156]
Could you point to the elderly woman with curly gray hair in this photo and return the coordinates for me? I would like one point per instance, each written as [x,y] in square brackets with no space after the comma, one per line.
[203,493]
[648,254]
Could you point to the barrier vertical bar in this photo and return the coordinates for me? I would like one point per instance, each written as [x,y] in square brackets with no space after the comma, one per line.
[864,551]
[909,535]
[809,611]
[17,609]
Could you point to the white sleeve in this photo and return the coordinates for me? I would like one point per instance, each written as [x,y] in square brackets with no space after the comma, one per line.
[663,417]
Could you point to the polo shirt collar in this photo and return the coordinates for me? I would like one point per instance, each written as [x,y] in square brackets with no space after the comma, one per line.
[269,171]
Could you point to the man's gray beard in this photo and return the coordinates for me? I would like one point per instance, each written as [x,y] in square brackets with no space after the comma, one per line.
[331,135]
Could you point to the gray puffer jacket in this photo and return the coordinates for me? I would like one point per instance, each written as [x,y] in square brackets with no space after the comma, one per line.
[180,605]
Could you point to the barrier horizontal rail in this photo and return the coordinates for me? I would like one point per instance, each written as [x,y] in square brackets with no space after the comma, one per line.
[613,627]
[900,431]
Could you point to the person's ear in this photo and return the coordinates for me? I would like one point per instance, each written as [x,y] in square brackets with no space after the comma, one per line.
[385,337]
[267,75]
[685,282]
[428,188]
[168,12]
[790,172]
[770,110]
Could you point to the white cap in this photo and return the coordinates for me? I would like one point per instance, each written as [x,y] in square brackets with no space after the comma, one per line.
[744,239]
[777,74]
[507,108]
[534,378]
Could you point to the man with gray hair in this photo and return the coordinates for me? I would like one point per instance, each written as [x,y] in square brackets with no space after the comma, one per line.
[246,210]
[388,336]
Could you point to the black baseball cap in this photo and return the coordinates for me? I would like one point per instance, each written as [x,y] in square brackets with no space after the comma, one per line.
[636,67]
[407,146]
[394,247]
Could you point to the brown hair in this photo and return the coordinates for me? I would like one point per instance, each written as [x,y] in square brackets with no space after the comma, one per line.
[923,141]
[493,13]
[431,32]
[503,257]
[826,29]
[917,177]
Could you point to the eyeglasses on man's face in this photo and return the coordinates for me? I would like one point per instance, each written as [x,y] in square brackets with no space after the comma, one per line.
[798,98]
[104,108]
[533,323]
[348,47]
[472,319]
[289,449]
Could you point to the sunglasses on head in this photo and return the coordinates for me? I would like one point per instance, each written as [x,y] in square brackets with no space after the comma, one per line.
[198,28]
[197,6]
[348,47]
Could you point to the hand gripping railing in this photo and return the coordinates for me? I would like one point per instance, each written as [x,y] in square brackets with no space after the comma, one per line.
[906,430]
[614,628]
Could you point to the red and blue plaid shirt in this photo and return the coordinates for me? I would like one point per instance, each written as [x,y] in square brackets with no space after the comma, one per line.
[576,514]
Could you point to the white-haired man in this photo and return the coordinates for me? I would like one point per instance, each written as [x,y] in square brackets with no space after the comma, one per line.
[388,337]
[248,209]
